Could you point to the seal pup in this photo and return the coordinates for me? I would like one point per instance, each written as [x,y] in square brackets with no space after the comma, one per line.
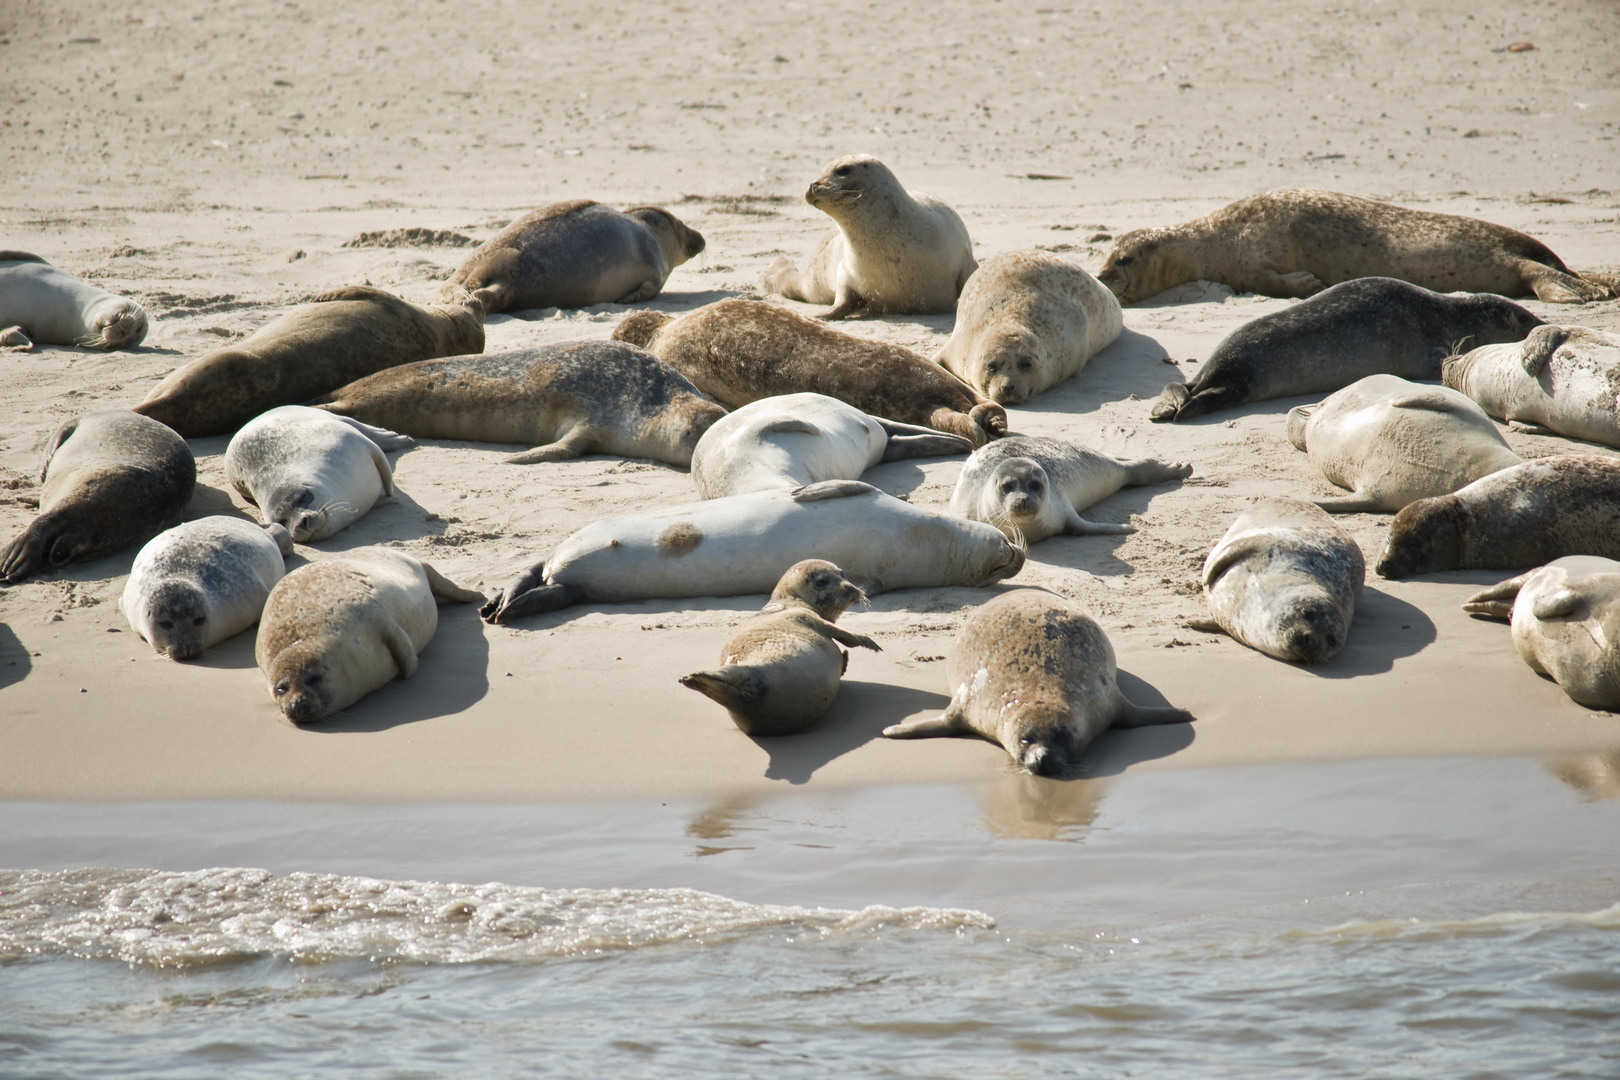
[1284,581]
[1369,326]
[1026,321]
[39,302]
[311,471]
[565,400]
[335,630]
[202,582]
[341,336]
[745,543]
[574,254]
[111,480]
[894,252]
[1566,624]
[1527,515]
[1561,380]
[1296,243]
[798,439]
[738,351]
[1035,487]
[1036,674]
[1393,442]
[780,669]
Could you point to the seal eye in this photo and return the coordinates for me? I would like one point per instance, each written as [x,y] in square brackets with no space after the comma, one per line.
[1124,260]
[199,620]
[281,689]
[1024,740]
[842,170]
[1025,363]
[166,624]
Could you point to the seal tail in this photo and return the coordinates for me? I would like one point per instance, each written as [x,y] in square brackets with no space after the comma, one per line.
[1497,601]
[1173,397]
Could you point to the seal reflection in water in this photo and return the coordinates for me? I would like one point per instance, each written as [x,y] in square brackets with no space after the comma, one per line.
[39,302]
[781,668]
[1036,674]
[1566,624]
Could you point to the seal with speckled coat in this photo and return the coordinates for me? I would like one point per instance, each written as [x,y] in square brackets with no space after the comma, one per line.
[39,302]
[1562,380]
[1566,624]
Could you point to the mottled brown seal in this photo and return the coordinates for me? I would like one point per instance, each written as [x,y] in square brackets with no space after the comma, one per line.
[1563,380]
[1566,624]
[42,303]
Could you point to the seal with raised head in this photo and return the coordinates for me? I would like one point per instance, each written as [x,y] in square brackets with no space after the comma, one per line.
[1035,673]
[745,543]
[1566,624]
[312,472]
[1527,515]
[1296,243]
[111,480]
[780,669]
[564,400]
[573,254]
[1035,487]
[335,630]
[798,439]
[738,351]
[1026,321]
[41,303]
[894,252]
[1562,380]
[342,336]
[1369,326]
[202,582]
[1393,442]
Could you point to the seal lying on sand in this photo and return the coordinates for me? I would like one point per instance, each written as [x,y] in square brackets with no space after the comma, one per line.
[745,543]
[573,254]
[893,252]
[1561,379]
[1026,321]
[1370,326]
[1036,487]
[1036,674]
[738,351]
[566,400]
[342,336]
[111,480]
[1524,516]
[40,303]
[335,630]
[781,668]
[1393,442]
[1566,624]
[1295,243]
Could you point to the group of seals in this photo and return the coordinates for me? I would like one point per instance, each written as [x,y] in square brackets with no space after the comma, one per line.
[1560,379]
[41,303]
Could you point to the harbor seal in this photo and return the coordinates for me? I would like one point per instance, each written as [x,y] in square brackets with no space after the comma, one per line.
[1035,673]
[780,669]
[1026,321]
[1035,487]
[335,630]
[798,439]
[565,400]
[738,351]
[1284,581]
[1369,326]
[41,303]
[745,543]
[111,480]
[310,471]
[1393,442]
[1527,515]
[574,254]
[894,252]
[1563,380]
[202,582]
[342,336]
[1296,243]
[1566,624]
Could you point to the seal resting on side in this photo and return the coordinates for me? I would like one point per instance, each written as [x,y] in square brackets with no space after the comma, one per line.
[565,400]
[1026,321]
[1036,487]
[342,336]
[894,252]
[574,254]
[1566,624]
[1296,243]
[1393,442]
[781,668]
[41,303]
[738,351]
[335,630]
[111,480]
[1036,674]
[1370,326]
[1563,380]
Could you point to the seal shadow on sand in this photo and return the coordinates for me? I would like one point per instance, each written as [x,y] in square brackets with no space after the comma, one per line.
[1133,364]
[858,716]
[1116,749]
[15,661]
[1385,629]
[452,675]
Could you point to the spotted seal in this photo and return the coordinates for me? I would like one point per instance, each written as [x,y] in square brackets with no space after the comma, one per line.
[1563,380]
[1566,624]
[39,302]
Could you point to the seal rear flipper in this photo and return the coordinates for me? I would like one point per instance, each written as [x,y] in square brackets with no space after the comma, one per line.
[507,606]
[1553,286]
[732,687]
[933,444]
[1496,601]
[1137,716]
[446,591]
[1170,401]
[947,723]
[1205,401]
[577,442]
[12,338]
[399,644]
[831,489]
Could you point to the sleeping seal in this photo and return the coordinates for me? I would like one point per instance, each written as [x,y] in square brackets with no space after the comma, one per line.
[39,302]
[1566,624]
[1560,379]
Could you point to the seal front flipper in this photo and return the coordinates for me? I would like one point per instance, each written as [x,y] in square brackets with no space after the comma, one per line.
[398,643]
[831,489]
[54,443]
[1524,428]
[844,637]
[579,440]
[446,591]
[355,292]
[385,439]
[1351,504]
[1496,602]
[1079,526]
[949,722]
[790,427]
[1206,626]
[1137,716]
[1558,605]
[1538,348]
